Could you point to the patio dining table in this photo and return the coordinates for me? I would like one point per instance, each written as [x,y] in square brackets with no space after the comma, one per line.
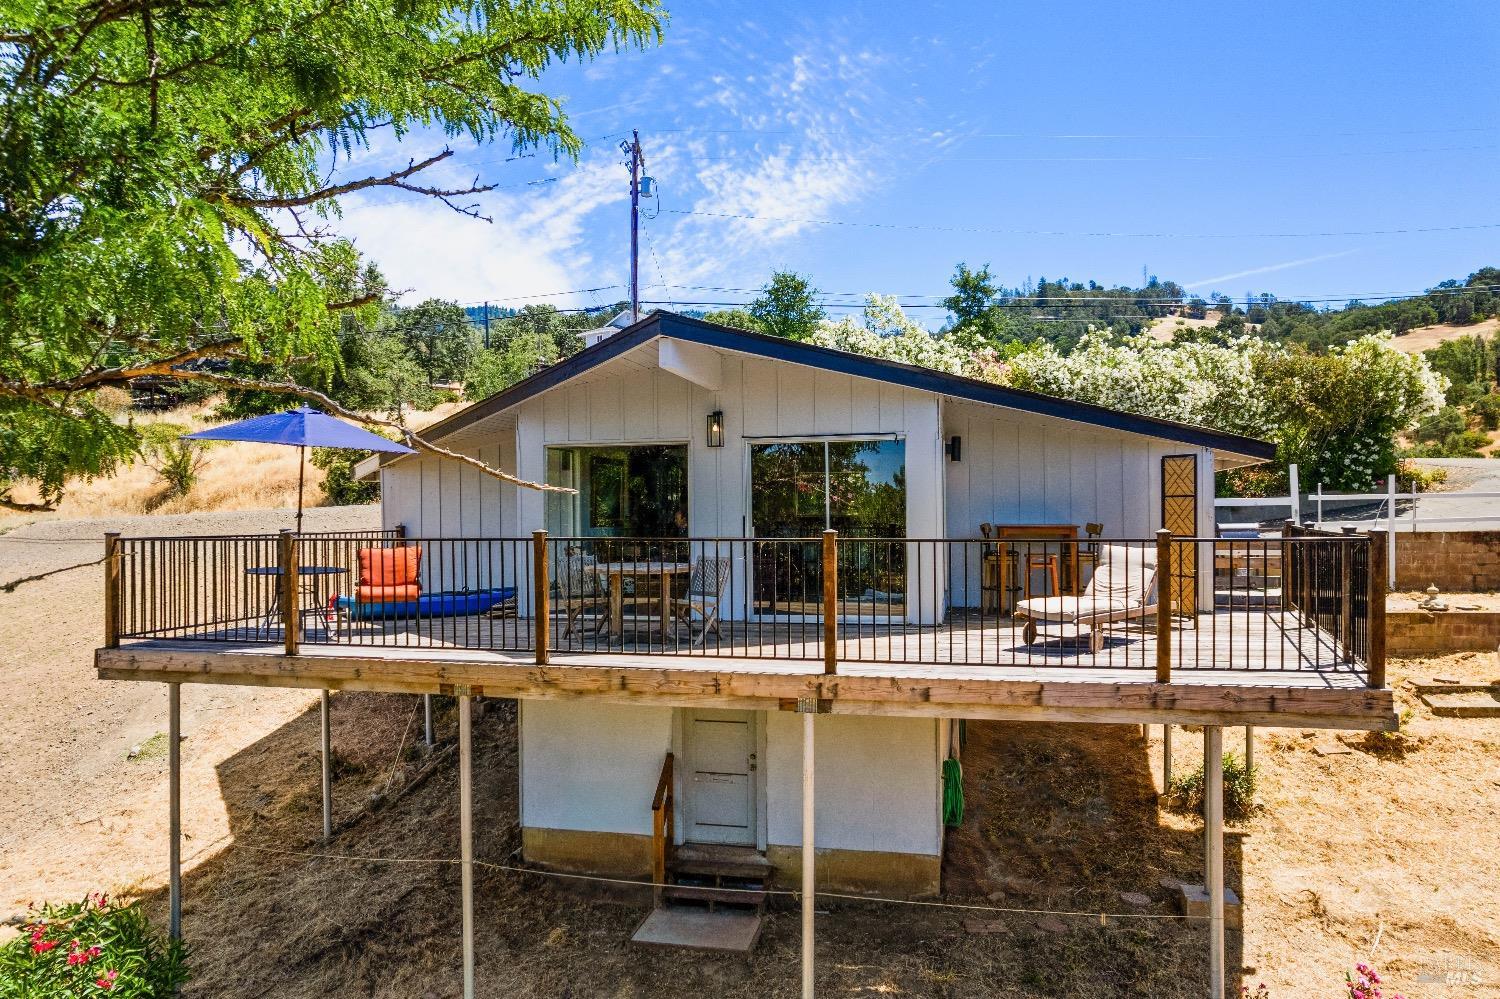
[310,579]
[639,572]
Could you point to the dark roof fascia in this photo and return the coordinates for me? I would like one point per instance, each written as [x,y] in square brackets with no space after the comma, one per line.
[859,365]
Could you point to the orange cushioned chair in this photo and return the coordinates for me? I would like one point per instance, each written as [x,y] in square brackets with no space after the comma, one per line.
[389,575]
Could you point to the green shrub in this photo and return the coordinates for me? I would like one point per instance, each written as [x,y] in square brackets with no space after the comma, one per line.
[176,461]
[89,948]
[1487,408]
[340,487]
[1418,478]
[1186,792]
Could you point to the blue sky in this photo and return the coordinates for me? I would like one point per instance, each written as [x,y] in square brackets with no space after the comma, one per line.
[1238,148]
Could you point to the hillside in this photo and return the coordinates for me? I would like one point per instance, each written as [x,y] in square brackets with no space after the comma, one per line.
[234,476]
[1427,337]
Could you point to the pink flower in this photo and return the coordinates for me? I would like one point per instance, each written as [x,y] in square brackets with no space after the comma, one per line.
[107,980]
[42,946]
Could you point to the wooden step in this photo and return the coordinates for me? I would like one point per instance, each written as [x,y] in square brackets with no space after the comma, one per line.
[720,861]
[701,893]
[732,931]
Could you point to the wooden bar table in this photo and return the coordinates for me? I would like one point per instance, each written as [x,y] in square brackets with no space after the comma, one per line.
[643,571]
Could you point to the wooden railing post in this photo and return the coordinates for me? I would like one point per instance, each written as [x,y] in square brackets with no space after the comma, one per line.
[1345,552]
[831,601]
[541,601]
[1163,606]
[1376,610]
[291,615]
[112,590]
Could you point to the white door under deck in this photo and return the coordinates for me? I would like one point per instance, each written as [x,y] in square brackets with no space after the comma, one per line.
[719,787]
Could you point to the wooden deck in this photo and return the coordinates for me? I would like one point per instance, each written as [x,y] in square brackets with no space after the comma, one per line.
[1233,667]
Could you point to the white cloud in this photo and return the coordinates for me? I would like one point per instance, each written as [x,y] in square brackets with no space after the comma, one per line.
[536,243]
[1269,268]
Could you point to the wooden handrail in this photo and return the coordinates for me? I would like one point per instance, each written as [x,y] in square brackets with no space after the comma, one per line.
[663,824]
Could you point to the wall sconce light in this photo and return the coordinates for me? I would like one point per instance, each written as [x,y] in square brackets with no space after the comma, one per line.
[716,428]
[955,448]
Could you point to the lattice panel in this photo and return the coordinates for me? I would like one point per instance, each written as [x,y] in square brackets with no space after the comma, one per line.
[1179,514]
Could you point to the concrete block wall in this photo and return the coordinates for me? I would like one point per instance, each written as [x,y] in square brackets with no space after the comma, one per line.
[1414,634]
[1457,561]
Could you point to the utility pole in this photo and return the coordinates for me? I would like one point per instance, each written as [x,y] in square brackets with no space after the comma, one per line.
[486,325]
[637,164]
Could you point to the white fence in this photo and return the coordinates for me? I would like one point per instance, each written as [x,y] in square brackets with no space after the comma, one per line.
[1313,508]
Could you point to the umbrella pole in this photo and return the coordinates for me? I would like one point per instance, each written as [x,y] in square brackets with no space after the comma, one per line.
[301,468]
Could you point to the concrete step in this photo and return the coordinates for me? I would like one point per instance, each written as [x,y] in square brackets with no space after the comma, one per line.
[703,893]
[731,931]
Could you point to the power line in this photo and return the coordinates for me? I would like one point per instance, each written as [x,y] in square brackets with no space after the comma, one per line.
[1059,232]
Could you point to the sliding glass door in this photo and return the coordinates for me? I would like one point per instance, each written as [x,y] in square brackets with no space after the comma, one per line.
[798,489]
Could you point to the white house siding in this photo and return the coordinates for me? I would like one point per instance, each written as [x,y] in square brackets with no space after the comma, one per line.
[589,766]
[877,783]
[1017,467]
[1022,468]
[592,767]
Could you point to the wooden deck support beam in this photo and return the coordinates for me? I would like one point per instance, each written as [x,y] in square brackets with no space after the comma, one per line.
[1213,833]
[174,810]
[466,833]
[326,747]
[1249,747]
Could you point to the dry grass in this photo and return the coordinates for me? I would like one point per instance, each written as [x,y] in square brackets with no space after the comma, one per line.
[233,477]
[1428,337]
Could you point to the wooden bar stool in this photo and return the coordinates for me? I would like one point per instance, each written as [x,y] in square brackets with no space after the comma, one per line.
[1047,563]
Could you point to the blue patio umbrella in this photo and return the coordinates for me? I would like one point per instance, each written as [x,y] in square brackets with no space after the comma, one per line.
[303,427]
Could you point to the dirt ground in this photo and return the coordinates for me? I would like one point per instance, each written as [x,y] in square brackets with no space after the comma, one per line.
[1362,847]
[76,814]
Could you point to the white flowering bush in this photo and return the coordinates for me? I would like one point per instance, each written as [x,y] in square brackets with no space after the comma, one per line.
[1200,383]
[885,331]
[1337,414]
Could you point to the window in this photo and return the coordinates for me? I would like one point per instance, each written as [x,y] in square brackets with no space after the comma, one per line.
[623,492]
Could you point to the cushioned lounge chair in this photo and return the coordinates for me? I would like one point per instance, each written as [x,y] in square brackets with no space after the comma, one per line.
[1122,588]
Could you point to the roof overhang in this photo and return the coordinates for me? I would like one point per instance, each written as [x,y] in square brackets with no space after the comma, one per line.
[682,352]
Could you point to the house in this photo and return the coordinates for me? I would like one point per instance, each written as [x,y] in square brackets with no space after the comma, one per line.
[680,428]
[736,535]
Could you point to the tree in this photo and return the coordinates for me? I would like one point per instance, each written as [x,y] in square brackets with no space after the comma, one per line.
[975,305]
[438,336]
[165,169]
[737,318]
[787,306]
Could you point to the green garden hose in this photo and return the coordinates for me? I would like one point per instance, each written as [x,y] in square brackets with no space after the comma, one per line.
[953,793]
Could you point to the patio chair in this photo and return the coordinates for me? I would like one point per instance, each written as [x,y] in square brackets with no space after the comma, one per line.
[705,590]
[579,591]
[1122,588]
[389,585]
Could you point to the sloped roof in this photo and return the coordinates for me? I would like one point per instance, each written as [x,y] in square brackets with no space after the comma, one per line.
[667,324]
